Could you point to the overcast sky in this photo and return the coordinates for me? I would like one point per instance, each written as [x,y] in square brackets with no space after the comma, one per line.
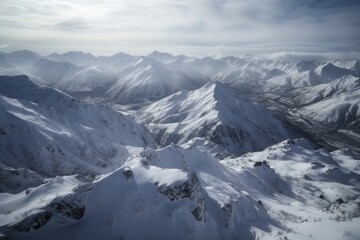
[193,27]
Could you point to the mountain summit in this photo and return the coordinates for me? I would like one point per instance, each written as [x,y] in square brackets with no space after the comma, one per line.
[217,113]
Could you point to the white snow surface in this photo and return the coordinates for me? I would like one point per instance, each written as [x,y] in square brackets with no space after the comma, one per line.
[49,132]
[148,80]
[216,113]
[213,164]
[181,192]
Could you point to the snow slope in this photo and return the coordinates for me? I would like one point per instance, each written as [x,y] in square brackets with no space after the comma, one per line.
[51,73]
[333,112]
[325,190]
[288,191]
[74,170]
[162,57]
[49,132]
[328,111]
[335,120]
[149,80]
[308,95]
[175,192]
[216,113]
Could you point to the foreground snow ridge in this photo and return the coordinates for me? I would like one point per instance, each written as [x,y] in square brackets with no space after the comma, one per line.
[176,147]
[287,190]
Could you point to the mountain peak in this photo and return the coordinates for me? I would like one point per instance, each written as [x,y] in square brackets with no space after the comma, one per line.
[305,65]
[23,57]
[332,72]
[156,52]
[216,113]
[13,82]
[163,57]
[217,90]
[120,54]
[25,52]
[77,54]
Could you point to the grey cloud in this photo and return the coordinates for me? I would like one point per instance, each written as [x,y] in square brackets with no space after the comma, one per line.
[297,56]
[205,25]
[11,24]
[72,24]
[4,45]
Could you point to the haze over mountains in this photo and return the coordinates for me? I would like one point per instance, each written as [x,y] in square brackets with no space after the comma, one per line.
[135,81]
[163,146]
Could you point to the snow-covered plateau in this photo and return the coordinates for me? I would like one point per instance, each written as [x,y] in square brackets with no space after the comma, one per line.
[177,147]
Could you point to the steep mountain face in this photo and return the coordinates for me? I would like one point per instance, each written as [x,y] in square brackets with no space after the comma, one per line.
[301,91]
[332,72]
[339,110]
[308,95]
[70,77]
[328,111]
[217,114]
[162,57]
[58,71]
[212,68]
[121,78]
[23,58]
[89,79]
[51,73]
[148,80]
[52,134]
[335,120]
[19,62]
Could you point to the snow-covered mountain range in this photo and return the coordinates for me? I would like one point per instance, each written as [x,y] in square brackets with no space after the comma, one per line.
[177,147]
[216,113]
[50,133]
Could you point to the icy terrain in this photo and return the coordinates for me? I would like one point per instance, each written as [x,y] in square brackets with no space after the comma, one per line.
[177,147]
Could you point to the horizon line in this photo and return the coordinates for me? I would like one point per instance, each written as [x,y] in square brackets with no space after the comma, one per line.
[280,55]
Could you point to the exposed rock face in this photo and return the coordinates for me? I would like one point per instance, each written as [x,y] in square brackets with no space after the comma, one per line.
[181,190]
[227,209]
[191,188]
[199,212]
[259,163]
[34,222]
[127,172]
[70,210]
[61,209]
[225,135]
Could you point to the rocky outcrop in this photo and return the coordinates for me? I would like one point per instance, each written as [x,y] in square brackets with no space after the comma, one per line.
[34,222]
[186,189]
[128,173]
[191,189]
[61,209]
[70,210]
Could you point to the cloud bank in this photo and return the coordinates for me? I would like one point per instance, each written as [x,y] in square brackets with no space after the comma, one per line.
[201,27]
